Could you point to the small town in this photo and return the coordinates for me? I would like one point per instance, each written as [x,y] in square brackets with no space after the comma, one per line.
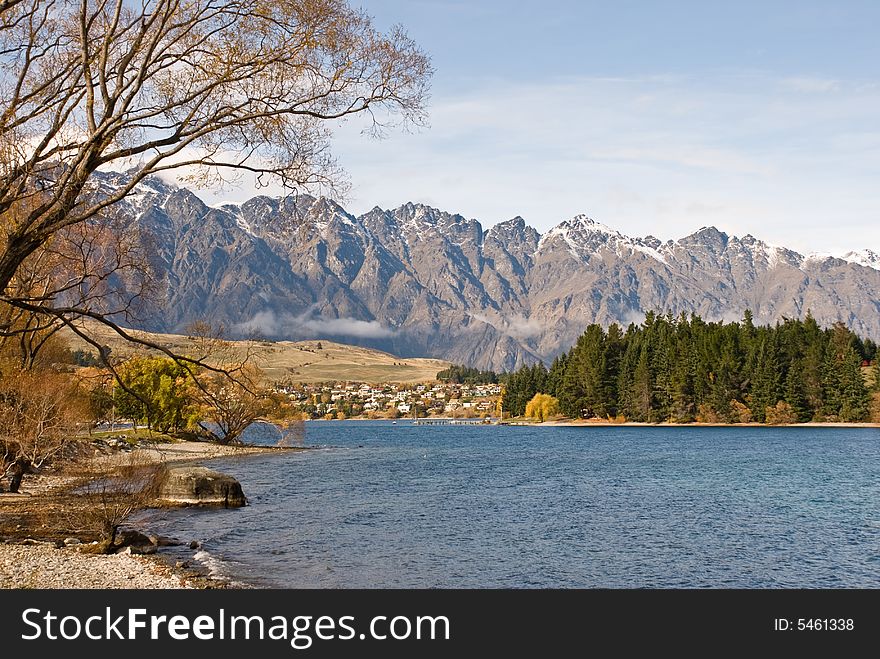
[346,400]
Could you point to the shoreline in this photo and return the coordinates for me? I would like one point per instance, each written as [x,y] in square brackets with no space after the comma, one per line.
[638,424]
[29,559]
[189,451]
[580,423]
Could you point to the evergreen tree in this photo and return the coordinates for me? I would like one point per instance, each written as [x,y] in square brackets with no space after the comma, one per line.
[725,383]
[815,342]
[765,384]
[855,398]
[522,386]
[615,344]
[642,388]
[556,374]
[457,374]
[795,393]
[587,381]
[684,367]
[657,339]
[846,396]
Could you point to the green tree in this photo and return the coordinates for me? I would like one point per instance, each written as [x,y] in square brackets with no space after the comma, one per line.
[154,391]
[641,388]
[683,374]
[795,393]
[586,382]
[765,381]
[521,386]
[458,374]
[685,369]
[556,376]
[846,396]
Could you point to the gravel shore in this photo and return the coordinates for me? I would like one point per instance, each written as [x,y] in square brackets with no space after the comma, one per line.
[43,566]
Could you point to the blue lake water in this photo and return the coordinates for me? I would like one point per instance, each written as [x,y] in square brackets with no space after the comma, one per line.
[387,506]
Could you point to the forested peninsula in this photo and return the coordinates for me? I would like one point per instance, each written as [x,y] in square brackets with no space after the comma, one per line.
[684,369]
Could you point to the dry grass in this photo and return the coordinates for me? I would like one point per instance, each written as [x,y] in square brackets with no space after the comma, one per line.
[298,361]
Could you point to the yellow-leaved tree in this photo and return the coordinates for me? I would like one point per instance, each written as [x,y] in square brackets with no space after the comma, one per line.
[542,407]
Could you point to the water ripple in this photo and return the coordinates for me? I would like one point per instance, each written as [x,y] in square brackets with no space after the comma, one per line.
[474,507]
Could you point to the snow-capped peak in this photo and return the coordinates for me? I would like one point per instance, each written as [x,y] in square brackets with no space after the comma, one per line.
[326,211]
[772,254]
[865,257]
[585,236]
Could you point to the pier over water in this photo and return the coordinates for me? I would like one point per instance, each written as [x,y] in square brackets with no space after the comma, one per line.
[452,422]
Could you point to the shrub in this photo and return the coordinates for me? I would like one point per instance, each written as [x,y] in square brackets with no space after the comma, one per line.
[781,414]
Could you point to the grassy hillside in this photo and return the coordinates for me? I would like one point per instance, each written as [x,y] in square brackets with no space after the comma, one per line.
[299,361]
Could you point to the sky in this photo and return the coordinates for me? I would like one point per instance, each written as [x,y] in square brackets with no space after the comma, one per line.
[653,117]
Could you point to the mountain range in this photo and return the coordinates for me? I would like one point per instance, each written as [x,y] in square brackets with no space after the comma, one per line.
[418,281]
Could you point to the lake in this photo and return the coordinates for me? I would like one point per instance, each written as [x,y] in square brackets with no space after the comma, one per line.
[377,505]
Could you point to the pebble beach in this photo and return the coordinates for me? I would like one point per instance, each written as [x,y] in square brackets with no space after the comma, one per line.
[44,566]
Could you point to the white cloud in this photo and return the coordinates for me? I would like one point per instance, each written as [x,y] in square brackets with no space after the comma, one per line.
[364,329]
[266,323]
[520,327]
[269,323]
[517,326]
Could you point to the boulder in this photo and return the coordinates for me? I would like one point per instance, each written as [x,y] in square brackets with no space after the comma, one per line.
[200,486]
[132,538]
[163,541]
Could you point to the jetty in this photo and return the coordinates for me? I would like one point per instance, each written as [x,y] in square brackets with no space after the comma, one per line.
[437,421]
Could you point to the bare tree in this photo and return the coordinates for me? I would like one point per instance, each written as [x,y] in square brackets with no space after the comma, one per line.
[230,400]
[38,421]
[229,405]
[212,88]
[110,497]
[100,267]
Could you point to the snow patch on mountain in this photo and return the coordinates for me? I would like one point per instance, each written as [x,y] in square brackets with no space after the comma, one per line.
[585,236]
[866,258]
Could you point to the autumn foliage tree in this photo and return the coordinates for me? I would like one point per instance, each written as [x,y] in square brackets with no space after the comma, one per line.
[541,407]
[39,417]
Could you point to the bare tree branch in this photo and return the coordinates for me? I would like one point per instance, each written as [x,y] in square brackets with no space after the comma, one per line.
[200,88]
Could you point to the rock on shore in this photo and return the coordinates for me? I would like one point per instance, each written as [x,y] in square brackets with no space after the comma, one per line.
[200,486]
[43,566]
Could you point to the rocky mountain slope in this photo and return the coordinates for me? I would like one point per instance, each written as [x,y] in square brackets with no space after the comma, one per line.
[417,281]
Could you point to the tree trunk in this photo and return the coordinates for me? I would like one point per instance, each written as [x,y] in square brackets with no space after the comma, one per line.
[16,475]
